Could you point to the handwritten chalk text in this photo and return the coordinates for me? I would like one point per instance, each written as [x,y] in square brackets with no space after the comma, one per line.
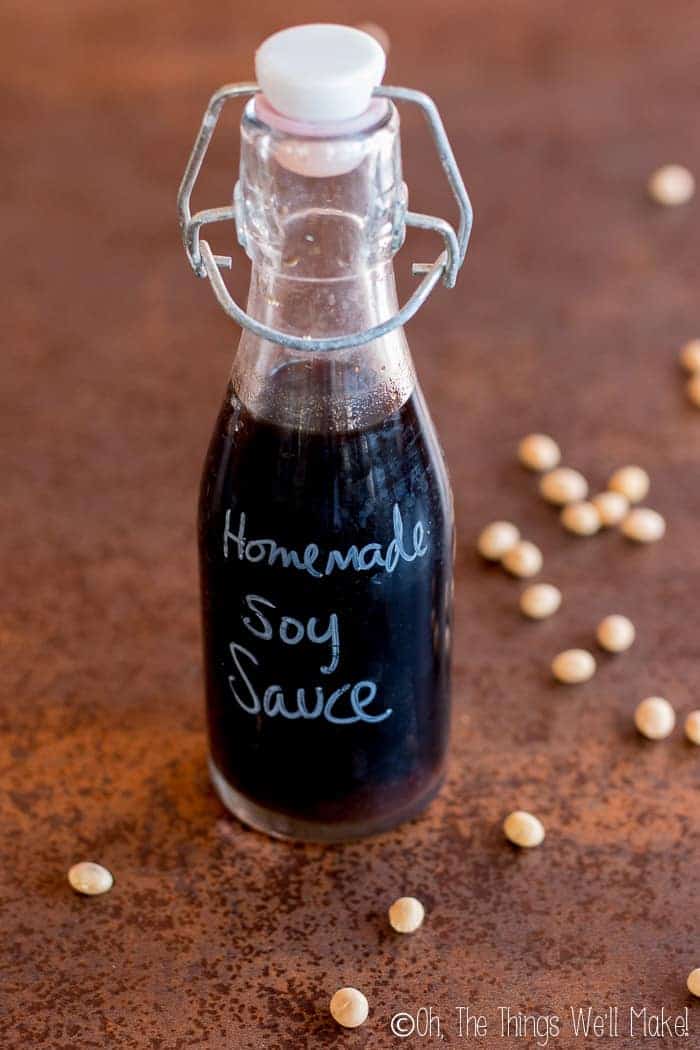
[360,559]
[275,703]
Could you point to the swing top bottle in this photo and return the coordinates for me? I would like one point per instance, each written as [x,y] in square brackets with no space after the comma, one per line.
[325,521]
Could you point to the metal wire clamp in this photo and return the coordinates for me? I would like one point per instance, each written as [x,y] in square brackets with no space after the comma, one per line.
[206,264]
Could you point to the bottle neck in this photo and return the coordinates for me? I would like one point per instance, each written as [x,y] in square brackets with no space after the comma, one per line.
[322,307]
[320,207]
[320,219]
[331,391]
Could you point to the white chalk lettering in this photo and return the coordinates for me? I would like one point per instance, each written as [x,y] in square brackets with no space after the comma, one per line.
[350,702]
[357,703]
[288,622]
[292,631]
[274,703]
[332,635]
[360,559]
[254,707]
[265,631]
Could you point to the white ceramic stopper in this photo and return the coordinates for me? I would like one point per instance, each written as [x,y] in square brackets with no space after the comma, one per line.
[320,72]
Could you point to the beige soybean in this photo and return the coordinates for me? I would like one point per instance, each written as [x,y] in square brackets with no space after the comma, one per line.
[581,518]
[632,482]
[349,1007]
[693,982]
[615,633]
[692,389]
[692,727]
[573,666]
[497,539]
[523,829]
[539,452]
[523,560]
[611,507]
[540,600]
[643,525]
[563,485]
[655,718]
[406,914]
[671,185]
[90,878]
[690,355]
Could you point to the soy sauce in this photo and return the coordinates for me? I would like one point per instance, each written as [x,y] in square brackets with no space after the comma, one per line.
[326,566]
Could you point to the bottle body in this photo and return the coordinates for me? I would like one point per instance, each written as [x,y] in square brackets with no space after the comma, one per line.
[326,567]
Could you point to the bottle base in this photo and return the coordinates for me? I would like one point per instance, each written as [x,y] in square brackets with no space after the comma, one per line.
[282,826]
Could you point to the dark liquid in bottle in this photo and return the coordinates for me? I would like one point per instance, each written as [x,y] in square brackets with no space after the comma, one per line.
[326,568]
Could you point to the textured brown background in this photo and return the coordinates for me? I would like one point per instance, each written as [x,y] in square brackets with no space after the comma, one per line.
[567,318]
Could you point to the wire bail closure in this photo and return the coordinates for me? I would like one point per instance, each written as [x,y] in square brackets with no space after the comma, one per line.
[206,264]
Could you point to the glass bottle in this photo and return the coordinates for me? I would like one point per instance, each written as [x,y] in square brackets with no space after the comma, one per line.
[325,519]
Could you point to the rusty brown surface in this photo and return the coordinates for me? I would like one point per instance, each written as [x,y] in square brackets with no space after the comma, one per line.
[566,319]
